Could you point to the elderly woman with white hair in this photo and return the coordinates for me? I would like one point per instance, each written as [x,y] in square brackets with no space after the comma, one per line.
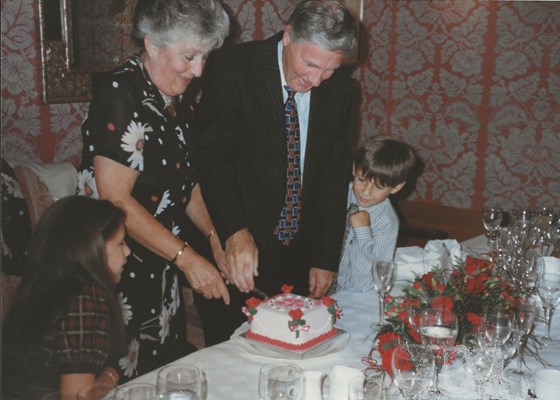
[137,154]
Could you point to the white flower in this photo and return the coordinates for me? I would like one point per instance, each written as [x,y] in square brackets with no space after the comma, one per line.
[133,142]
[164,319]
[87,185]
[163,203]
[175,296]
[126,308]
[129,362]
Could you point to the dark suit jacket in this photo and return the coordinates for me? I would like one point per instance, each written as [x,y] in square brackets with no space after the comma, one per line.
[241,150]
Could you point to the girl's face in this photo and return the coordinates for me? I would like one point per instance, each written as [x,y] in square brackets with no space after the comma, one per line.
[117,251]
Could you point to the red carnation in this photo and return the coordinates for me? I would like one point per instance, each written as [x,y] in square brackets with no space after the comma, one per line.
[296,314]
[474,319]
[442,302]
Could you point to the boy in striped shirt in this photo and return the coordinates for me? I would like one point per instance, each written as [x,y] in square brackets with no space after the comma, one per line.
[382,166]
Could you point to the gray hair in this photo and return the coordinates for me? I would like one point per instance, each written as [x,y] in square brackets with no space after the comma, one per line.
[328,24]
[165,22]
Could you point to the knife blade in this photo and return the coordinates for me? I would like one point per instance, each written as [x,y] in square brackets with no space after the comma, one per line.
[259,293]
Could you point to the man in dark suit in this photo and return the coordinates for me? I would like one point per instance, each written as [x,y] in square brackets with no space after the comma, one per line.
[272,238]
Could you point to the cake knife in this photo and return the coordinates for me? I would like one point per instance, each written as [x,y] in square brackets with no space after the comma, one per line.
[259,293]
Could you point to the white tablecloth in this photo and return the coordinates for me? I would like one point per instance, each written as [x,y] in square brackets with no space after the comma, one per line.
[233,372]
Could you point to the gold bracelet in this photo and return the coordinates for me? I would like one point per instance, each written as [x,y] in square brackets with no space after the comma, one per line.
[111,375]
[210,234]
[185,245]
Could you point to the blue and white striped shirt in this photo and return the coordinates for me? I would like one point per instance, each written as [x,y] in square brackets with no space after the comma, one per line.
[365,244]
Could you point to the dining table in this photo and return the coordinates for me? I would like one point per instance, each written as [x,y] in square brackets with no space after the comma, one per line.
[232,367]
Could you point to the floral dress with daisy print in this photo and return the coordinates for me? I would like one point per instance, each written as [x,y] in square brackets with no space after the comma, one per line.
[128,122]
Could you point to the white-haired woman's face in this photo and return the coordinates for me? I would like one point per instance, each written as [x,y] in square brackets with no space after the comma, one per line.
[174,67]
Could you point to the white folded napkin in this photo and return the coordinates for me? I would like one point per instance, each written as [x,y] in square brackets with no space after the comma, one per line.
[340,378]
[415,261]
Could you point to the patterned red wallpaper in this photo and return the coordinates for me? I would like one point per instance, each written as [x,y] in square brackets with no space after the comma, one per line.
[473,85]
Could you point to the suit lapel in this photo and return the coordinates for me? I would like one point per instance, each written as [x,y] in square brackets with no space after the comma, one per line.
[268,89]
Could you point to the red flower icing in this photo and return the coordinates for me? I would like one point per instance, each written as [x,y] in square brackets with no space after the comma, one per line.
[286,289]
[253,302]
[295,314]
[328,301]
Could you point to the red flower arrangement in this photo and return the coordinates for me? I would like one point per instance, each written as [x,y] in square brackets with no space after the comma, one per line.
[469,289]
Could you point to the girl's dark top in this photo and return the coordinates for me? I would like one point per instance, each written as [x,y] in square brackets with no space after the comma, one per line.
[128,122]
[77,341]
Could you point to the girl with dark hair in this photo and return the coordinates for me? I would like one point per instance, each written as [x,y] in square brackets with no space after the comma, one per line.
[65,330]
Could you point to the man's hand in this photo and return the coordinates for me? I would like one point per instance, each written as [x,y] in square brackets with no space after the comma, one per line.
[319,282]
[242,259]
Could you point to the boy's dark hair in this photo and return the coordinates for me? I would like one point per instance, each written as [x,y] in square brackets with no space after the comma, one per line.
[386,160]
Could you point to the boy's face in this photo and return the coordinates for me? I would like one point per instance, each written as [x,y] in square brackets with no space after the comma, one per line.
[368,193]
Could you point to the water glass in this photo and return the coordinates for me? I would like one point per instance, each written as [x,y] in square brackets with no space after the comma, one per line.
[182,378]
[135,391]
[438,329]
[280,381]
[356,389]
[58,396]
[413,368]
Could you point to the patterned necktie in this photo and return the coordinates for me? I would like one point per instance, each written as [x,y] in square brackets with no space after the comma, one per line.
[289,217]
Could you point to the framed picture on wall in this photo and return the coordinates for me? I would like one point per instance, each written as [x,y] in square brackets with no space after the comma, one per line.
[356,7]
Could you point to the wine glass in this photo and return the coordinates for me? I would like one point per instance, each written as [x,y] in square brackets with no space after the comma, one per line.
[383,273]
[278,381]
[438,329]
[413,368]
[495,328]
[525,318]
[491,219]
[548,289]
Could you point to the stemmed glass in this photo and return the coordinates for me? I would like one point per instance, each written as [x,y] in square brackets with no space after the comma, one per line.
[548,289]
[525,318]
[413,368]
[491,219]
[438,329]
[495,329]
[383,273]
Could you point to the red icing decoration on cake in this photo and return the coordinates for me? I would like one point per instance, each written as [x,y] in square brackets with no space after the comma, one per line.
[290,346]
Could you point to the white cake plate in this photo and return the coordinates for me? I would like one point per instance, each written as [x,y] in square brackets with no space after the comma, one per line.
[332,345]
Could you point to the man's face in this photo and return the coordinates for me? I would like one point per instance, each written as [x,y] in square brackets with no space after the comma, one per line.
[306,65]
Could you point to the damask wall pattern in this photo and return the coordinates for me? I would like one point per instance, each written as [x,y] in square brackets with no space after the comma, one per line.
[473,85]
